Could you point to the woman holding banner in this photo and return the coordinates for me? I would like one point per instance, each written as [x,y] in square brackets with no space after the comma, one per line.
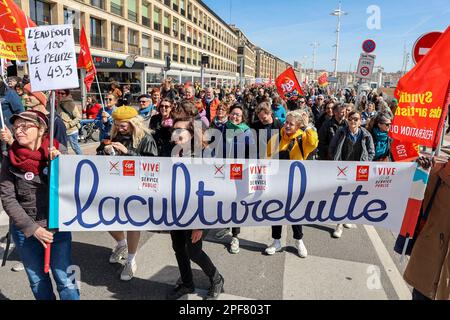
[24,193]
[129,137]
[297,140]
[352,143]
[188,244]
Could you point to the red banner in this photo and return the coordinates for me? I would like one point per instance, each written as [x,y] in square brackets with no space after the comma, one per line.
[288,86]
[85,61]
[323,80]
[12,31]
[404,151]
[422,96]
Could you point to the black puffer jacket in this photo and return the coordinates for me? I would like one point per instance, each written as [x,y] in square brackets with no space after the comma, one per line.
[326,134]
[146,148]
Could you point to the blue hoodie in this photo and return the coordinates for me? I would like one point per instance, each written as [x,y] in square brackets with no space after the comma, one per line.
[279,113]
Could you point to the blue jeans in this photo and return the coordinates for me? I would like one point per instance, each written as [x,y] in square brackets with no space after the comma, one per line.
[73,140]
[32,254]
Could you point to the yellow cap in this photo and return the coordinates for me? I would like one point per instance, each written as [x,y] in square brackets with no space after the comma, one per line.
[124,113]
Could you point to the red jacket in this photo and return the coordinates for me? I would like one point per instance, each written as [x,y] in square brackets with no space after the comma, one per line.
[92,112]
[212,109]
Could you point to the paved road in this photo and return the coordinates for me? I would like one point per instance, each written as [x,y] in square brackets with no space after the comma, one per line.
[360,265]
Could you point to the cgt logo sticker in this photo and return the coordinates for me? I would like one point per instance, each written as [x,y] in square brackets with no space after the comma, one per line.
[129,168]
[362,173]
[236,172]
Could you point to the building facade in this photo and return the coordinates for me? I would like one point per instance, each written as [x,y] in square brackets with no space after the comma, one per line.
[268,66]
[130,39]
[246,59]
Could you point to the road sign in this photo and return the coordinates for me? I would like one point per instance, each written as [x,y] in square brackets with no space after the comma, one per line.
[365,66]
[332,80]
[424,44]
[369,46]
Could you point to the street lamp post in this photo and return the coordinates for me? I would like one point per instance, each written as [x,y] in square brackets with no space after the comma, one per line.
[315,45]
[338,12]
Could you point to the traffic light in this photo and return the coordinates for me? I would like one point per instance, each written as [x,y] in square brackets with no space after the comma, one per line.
[168,61]
[205,60]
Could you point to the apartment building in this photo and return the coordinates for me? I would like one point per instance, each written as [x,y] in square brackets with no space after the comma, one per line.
[130,39]
[246,57]
[268,66]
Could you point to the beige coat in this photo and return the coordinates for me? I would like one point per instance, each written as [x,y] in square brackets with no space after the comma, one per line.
[71,120]
[428,269]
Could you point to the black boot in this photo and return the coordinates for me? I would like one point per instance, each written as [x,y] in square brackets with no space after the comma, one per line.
[216,286]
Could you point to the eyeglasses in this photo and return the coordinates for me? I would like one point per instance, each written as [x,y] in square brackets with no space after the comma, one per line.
[356,119]
[61,93]
[236,115]
[386,123]
[24,127]
[165,106]
[302,101]
[143,101]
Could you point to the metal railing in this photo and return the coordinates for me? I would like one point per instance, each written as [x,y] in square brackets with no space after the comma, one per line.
[133,49]
[97,41]
[117,46]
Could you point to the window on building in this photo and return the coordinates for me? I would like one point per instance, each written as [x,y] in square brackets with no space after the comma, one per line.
[189,34]
[175,24]
[157,49]
[146,46]
[40,12]
[71,17]
[189,11]
[182,56]
[97,39]
[175,5]
[116,7]
[132,10]
[189,56]
[175,53]
[183,31]
[166,23]
[157,19]
[166,49]
[133,37]
[98,3]
[145,14]
[182,7]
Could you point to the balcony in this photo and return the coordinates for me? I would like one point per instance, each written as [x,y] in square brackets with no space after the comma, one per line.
[157,26]
[195,42]
[190,16]
[116,9]
[194,62]
[188,60]
[146,21]
[183,12]
[175,58]
[183,37]
[117,46]
[175,33]
[182,59]
[189,39]
[133,49]
[175,7]
[167,3]
[195,20]
[146,52]
[97,41]
[157,54]
[167,30]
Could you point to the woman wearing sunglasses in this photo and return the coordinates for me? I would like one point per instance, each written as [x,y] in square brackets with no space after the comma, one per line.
[104,120]
[379,128]
[129,137]
[161,125]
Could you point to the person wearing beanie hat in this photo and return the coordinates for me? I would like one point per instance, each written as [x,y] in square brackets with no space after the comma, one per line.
[129,137]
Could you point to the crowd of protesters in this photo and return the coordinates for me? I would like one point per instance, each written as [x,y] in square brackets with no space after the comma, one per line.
[320,126]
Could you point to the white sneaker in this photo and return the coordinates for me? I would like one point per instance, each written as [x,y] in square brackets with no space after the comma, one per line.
[234,248]
[118,254]
[274,247]
[338,232]
[128,271]
[349,226]
[222,233]
[302,252]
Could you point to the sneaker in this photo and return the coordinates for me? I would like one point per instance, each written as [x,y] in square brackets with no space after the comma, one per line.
[118,254]
[216,287]
[128,271]
[349,226]
[234,248]
[222,234]
[179,291]
[18,267]
[274,247]
[302,252]
[338,232]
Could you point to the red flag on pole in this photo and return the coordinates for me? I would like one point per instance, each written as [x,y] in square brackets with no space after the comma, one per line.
[12,31]
[85,61]
[422,95]
[323,80]
[288,86]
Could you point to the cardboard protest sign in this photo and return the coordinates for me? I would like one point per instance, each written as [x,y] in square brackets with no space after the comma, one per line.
[52,60]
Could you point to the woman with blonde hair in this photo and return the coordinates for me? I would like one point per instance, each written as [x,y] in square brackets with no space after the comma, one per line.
[297,140]
[129,137]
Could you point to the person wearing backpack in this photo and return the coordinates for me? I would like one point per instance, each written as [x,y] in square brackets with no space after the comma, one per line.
[294,144]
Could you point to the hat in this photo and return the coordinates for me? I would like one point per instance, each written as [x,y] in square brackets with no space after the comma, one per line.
[38,95]
[31,115]
[124,113]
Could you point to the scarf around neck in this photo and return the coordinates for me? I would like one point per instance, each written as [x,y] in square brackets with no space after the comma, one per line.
[381,142]
[31,160]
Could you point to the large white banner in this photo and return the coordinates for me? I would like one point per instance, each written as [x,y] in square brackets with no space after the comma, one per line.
[100,193]
[51,57]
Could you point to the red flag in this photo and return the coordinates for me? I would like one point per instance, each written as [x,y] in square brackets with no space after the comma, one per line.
[404,151]
[323,80]
[12,31]
[288,86]
[422,94]
[85,61]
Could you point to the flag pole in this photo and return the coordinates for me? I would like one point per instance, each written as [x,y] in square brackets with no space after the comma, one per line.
[99,91]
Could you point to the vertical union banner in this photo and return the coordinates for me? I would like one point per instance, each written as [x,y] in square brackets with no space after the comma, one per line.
[422,96]
[52,61]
